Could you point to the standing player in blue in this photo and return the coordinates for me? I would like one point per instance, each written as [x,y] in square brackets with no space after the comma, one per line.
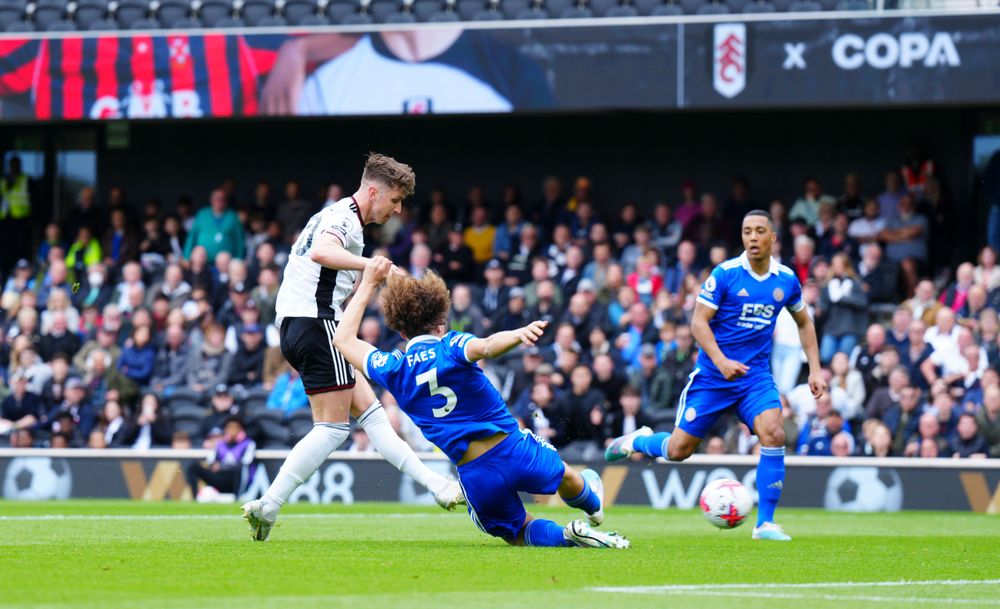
[438,384]
[734,326]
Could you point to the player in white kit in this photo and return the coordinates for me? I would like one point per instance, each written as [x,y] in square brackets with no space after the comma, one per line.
[320,275]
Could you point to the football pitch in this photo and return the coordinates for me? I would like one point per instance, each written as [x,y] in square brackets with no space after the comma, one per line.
[174,555]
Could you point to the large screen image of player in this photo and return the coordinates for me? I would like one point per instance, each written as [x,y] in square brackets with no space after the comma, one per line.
[451,70]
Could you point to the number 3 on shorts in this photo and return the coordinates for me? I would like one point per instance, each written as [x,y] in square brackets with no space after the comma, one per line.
[431,378]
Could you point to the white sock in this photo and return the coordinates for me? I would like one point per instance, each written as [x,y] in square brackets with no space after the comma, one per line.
[394,450]
[302,462]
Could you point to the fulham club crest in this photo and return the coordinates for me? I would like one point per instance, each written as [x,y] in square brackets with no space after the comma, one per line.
[729,60]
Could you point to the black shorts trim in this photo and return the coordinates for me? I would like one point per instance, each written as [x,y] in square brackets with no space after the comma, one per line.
[329,389]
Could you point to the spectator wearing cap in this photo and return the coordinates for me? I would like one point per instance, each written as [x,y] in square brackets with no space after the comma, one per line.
[218,229]
[21,409]
[508,234]
[288,394]
[232,463]
[209,365]
[247,369]
[642,376]
[21,279]
[514,315]
[223,406]
[230,313]
[76,407]
[455,262]
[527,248]
[480,235]
[494,295]
[138,356]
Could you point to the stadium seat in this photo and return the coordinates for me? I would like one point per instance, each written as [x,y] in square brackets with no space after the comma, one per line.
[576,12]
[89,11]
[192,427]
[187,409]
[102,25]
[512,8]
[212,11]
[10,14]
[170,11]
[187,23]
[271,434]
[128,11]
[804,6]
[294,11]
[423,9]
[667,10]
[61,25]
[691,6]
[380,9]
[759,6]
[20,26]
[781,5]
[339,9]
[622,10]
[44,16]
[828,5]
[401,17]
[534,12]
[736,6]
[271,21]
[852,5]
[713,9]
[252,11]
[299,423]
[555,8]
[466,9]
[601,7]
[315,20]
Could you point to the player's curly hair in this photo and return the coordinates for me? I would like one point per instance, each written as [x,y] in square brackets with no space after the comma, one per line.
[389,171]
[415,306]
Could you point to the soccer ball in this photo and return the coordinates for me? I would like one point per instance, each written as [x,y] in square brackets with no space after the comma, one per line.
[37,478]
[725,503]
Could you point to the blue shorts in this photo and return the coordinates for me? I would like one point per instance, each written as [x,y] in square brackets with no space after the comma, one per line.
[523,462]
[706,396]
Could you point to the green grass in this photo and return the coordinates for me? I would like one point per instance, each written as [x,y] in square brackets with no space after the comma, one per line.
[64,554]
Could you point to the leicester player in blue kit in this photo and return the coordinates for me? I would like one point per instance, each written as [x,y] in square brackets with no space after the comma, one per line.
[439,385]
[734,325]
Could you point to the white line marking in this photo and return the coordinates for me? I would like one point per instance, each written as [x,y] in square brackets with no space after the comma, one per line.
[836,597]
[772,586]
[235,516]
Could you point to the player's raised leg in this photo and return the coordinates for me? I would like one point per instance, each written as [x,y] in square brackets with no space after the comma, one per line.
[770,473]
[368,411]
[330,429]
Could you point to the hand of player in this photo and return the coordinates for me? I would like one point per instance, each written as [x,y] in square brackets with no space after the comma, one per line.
[280,93]
[530,333]
[398,270]
[732,369]
[376,270]
[817,384]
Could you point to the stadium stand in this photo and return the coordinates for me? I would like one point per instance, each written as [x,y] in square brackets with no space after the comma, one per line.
[910,338]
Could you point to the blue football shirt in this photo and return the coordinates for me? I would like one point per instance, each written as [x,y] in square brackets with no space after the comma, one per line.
[746,307]
[447,396]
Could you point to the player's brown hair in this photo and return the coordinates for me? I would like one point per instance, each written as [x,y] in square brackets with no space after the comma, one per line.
[389,171]
[415,306]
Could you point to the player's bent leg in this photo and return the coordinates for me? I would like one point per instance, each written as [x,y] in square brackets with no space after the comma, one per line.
[583,491]
[370,414]
[769,427]
[681,445]
[330,429]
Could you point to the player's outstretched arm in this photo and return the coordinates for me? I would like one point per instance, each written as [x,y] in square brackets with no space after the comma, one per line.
[346,339]
[497,344]
[702,332]
[807,334]
[329,251]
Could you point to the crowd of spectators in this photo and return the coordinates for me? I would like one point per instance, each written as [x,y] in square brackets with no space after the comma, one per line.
[131,327]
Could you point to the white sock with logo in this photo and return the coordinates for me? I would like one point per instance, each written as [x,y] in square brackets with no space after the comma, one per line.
[394,450]
[302,462]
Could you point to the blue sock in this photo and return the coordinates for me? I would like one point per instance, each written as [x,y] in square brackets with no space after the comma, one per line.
[770,479]
[545,534]
[587,500]
[654,445]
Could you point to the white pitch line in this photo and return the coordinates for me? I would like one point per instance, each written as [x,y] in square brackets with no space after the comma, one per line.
[236,515]
[835,597]
[774,586]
